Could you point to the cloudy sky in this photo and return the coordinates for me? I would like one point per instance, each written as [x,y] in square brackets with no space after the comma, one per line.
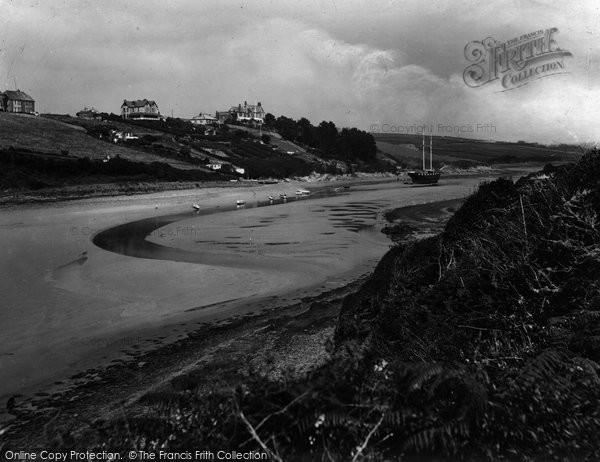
[358,63]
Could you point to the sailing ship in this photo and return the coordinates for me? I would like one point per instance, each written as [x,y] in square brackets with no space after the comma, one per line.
[426,176]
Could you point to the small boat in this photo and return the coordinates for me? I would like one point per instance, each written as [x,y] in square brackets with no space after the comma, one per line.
[302,192]
[426,176]
[196,207]
[240,202]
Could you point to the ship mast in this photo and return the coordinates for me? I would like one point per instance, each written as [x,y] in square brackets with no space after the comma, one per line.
[423,149]
[430,154]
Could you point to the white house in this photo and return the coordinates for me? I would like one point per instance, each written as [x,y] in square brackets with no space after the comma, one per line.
[215,166]
[204,119]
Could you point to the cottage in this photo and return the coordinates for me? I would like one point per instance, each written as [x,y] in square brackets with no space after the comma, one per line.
[116,136]
[17,101]
[141,109]
[215,165]
[204,119]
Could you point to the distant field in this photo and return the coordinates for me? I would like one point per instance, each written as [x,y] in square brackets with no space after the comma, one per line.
[448,149]
[51,136]
[411,155]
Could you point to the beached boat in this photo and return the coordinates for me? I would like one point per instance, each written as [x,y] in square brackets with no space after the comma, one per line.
[426,175]
[283,196]
[196,207]
[240,202]
[271,198]
[302,192]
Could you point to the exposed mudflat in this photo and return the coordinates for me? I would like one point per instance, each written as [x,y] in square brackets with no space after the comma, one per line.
[73,308]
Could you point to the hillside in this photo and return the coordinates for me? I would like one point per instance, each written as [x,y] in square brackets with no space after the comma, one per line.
[407,149]
[411,156]
[41,134]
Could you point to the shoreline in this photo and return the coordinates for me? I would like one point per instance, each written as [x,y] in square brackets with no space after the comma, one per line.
[94,386]
[124,383]
[225,347]
[108,191]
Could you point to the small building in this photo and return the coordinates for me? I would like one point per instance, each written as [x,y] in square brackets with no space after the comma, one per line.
[116,136]
[225,167]
[17,101]
[204,119]
[141,109]
[215,165]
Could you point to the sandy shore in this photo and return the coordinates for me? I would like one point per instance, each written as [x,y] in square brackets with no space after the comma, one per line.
[82,308]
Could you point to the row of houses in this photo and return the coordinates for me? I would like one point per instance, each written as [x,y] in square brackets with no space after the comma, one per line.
[143,109]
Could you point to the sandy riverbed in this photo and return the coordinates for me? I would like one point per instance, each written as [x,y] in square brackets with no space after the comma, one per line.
[70,305]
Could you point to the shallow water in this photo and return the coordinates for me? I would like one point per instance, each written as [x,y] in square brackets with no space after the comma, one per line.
[83,284]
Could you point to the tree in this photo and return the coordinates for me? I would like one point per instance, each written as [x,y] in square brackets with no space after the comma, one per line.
[306,132]
[356,144]
[269,120]
[327,135]
[287,128]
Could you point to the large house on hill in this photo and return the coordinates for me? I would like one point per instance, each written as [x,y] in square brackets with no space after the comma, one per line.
[141,109]
[17,101]
[243,113]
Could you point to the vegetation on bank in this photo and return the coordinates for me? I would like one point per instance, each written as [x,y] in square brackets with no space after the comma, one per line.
[481,343]
[347,144]
[24,170]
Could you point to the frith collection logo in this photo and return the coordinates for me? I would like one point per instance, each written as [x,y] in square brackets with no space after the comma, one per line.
[515,62]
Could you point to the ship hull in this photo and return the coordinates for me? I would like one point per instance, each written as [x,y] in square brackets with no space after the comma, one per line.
[424,177]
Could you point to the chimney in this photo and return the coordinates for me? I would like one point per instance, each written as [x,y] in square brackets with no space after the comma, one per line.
[258,103]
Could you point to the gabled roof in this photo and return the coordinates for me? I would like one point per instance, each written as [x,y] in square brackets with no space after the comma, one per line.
[246,107]
[203,115]
[138,103]
[18,95]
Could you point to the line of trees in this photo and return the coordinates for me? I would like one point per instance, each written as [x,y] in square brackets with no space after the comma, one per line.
[350,144]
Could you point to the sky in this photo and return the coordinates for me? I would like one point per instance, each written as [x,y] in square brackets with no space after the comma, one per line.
[380,66]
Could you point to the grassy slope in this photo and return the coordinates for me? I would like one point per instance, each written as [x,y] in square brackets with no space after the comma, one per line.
[47,135]
[477,150]
[412,156]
